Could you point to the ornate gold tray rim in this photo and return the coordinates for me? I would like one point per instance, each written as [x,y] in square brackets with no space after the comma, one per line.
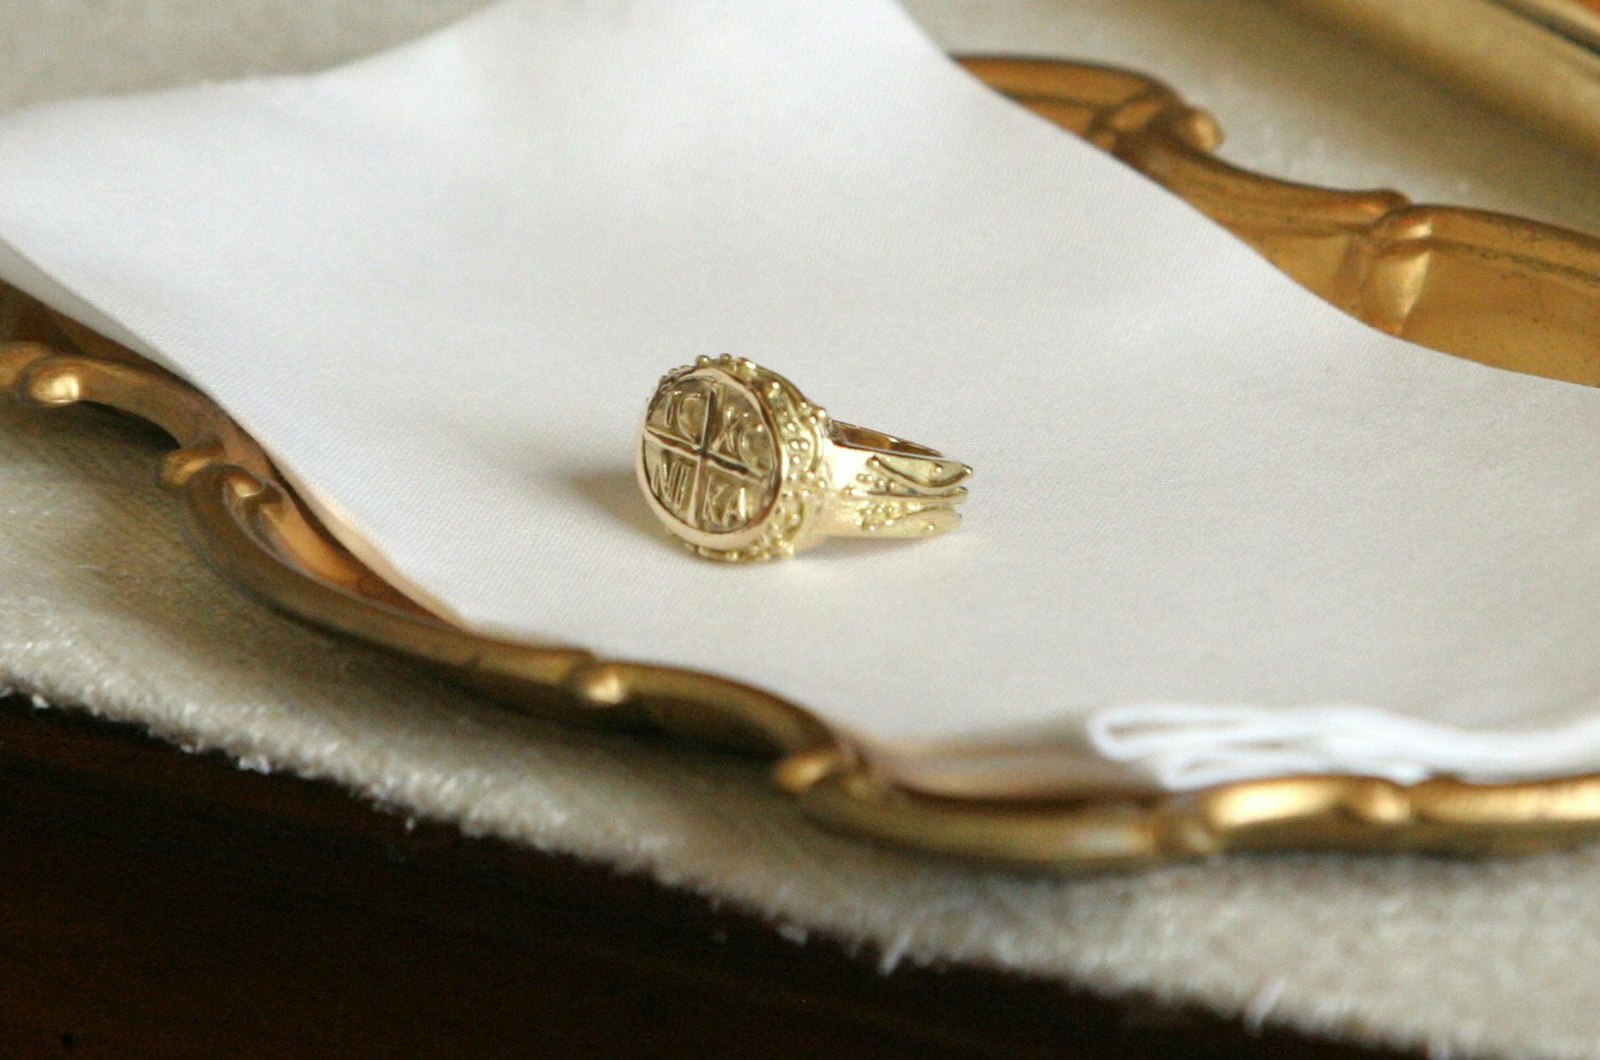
[1442,277]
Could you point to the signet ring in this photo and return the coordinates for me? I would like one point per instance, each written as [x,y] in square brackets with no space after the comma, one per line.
[740,467]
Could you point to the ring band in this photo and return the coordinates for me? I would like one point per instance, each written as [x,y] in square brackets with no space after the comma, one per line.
[740,467]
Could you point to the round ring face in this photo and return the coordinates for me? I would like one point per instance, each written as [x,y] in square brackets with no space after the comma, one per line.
[709,458]
[742,468]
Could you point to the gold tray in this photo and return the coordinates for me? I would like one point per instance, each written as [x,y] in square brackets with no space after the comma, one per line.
[1496,289]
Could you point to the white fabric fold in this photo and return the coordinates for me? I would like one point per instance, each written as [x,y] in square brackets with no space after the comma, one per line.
[1190,745]
[439,284]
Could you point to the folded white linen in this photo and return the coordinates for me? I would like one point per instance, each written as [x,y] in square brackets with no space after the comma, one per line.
[439,284]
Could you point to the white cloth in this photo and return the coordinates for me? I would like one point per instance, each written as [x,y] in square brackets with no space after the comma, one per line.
[438,285]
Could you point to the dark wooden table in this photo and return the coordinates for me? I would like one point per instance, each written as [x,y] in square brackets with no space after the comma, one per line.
[154,902]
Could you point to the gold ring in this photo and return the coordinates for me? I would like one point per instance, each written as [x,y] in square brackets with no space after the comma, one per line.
[740,467]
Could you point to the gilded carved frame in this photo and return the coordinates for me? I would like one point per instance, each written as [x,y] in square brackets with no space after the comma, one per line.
[1452,279]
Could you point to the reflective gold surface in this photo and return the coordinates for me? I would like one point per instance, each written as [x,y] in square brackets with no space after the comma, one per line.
[740,467]
[1496,289]
[1537,60]
[1491,288]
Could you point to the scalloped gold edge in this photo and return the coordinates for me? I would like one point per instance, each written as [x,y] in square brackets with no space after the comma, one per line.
[1416,271]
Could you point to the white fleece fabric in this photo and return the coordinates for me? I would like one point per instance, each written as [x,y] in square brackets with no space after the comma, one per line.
[104,608]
